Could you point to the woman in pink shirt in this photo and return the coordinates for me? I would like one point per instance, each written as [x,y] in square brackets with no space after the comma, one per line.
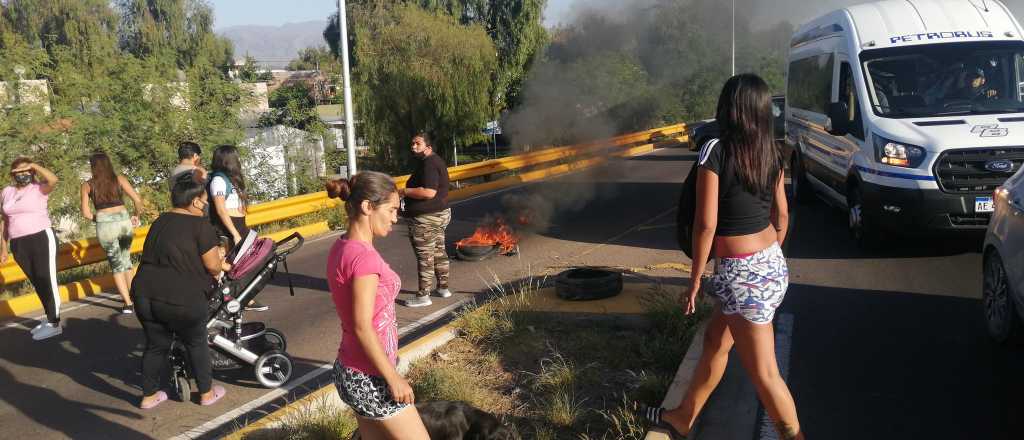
[26,225]
[364,289]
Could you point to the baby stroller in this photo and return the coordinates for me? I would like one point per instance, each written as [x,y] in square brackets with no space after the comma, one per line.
[235,344]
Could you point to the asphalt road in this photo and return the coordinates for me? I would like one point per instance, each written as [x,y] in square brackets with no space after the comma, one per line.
[885,346]
[85,384]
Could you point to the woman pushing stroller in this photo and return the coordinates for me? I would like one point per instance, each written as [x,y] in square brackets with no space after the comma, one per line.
[180,259]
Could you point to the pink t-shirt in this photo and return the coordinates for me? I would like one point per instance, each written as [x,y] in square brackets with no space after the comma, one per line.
[24,210]
[348,260]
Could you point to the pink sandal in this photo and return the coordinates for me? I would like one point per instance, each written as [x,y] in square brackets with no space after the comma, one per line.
[160,398]
[218,392]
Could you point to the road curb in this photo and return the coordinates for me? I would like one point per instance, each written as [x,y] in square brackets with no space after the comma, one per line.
[327,397]
[24,304]
[684,375]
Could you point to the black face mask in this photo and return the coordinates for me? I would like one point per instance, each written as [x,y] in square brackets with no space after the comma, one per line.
[22,179]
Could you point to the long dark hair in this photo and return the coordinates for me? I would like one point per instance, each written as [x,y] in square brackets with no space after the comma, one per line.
[744,116]
[103,184]
[367,185]
[225,160]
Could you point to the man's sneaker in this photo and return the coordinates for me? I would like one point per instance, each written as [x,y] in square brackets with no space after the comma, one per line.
[127,310]
[443,293]
[48,331]
[38,327]
[256,306]
[418,301]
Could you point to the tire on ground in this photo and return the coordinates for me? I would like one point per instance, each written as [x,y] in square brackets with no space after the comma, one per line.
[587,284]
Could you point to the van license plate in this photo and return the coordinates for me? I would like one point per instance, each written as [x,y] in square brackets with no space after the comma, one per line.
[983,204]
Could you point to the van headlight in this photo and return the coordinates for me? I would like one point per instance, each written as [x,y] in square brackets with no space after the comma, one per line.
[898,154]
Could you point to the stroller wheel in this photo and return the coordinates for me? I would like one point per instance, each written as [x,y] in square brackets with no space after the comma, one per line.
[273,368]
[182,388]
[275,340]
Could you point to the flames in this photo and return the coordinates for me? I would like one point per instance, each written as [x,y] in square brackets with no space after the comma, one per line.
[495,232]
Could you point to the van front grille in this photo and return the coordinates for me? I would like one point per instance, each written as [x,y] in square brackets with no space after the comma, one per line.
[963,171]
[970,219]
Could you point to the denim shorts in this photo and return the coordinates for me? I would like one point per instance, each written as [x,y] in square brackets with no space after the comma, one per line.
[114,232]
[751,286]
[367,395]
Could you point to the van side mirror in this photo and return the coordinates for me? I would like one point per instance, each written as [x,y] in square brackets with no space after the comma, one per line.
[838,123]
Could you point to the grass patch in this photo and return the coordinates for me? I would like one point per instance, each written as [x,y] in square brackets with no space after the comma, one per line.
[560,376]
[316,420]
[548,376]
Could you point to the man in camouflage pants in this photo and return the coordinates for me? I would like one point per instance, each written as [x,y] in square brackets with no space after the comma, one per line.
[425,204]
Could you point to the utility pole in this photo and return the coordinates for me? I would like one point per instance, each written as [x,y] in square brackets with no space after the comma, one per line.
[733,37]
[350,126]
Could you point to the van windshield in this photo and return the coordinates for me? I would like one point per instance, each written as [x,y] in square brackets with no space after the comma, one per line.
[946,79]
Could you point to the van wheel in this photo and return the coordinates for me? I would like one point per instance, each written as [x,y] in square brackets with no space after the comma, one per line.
[799,188]
[862,229]
[1001,318]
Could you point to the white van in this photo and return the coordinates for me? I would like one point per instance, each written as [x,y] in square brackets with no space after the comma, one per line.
[908,113]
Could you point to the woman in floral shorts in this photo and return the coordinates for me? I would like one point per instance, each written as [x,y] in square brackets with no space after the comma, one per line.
[741,218]
[364,289]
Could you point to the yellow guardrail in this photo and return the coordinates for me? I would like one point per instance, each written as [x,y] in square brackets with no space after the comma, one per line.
[83,252]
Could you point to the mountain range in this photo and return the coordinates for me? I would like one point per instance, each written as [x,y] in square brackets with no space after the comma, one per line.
[275,46]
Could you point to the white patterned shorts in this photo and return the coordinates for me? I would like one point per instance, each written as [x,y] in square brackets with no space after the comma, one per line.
[367,395]
[751,286]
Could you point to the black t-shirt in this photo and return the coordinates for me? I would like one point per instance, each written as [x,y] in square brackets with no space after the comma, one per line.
[172,267]
[739,211]
[431,173]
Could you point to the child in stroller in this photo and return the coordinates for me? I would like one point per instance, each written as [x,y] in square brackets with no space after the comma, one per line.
[234,343]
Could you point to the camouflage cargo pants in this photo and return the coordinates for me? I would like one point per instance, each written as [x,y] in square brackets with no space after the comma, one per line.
[427,235]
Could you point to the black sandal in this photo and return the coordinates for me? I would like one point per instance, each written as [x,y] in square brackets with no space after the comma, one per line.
[653,415]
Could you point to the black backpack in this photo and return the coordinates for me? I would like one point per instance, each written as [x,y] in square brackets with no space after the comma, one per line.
[688,206]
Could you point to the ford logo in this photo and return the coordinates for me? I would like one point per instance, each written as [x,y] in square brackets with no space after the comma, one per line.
[999,166]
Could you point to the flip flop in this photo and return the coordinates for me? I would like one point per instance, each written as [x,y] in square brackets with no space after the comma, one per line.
[218,392]
[653,415]
[160,398]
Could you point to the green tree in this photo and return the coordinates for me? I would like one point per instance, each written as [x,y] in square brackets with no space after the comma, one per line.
[514,27]
[181,29]
[317,58]
[293,106]
[137,108]
[251,72]
[421,71]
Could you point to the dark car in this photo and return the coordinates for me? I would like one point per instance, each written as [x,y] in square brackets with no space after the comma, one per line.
[701,131]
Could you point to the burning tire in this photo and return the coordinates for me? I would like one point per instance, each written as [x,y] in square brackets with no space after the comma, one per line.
[475,253]
[584,284]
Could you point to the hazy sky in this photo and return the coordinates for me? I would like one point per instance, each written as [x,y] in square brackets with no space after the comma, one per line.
[278,12]
[270,12]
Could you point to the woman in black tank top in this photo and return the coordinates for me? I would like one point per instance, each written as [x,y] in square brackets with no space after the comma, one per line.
[114,227]
[741,214]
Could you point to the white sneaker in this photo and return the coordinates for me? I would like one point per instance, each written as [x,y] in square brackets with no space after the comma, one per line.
[48,331]
[443,293]
[418,301]
[38,327]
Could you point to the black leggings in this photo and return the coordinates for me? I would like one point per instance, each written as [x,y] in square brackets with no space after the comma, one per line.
[160,322]
[36,254]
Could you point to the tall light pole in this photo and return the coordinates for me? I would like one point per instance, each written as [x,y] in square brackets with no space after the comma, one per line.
[733,37]
[350,126]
